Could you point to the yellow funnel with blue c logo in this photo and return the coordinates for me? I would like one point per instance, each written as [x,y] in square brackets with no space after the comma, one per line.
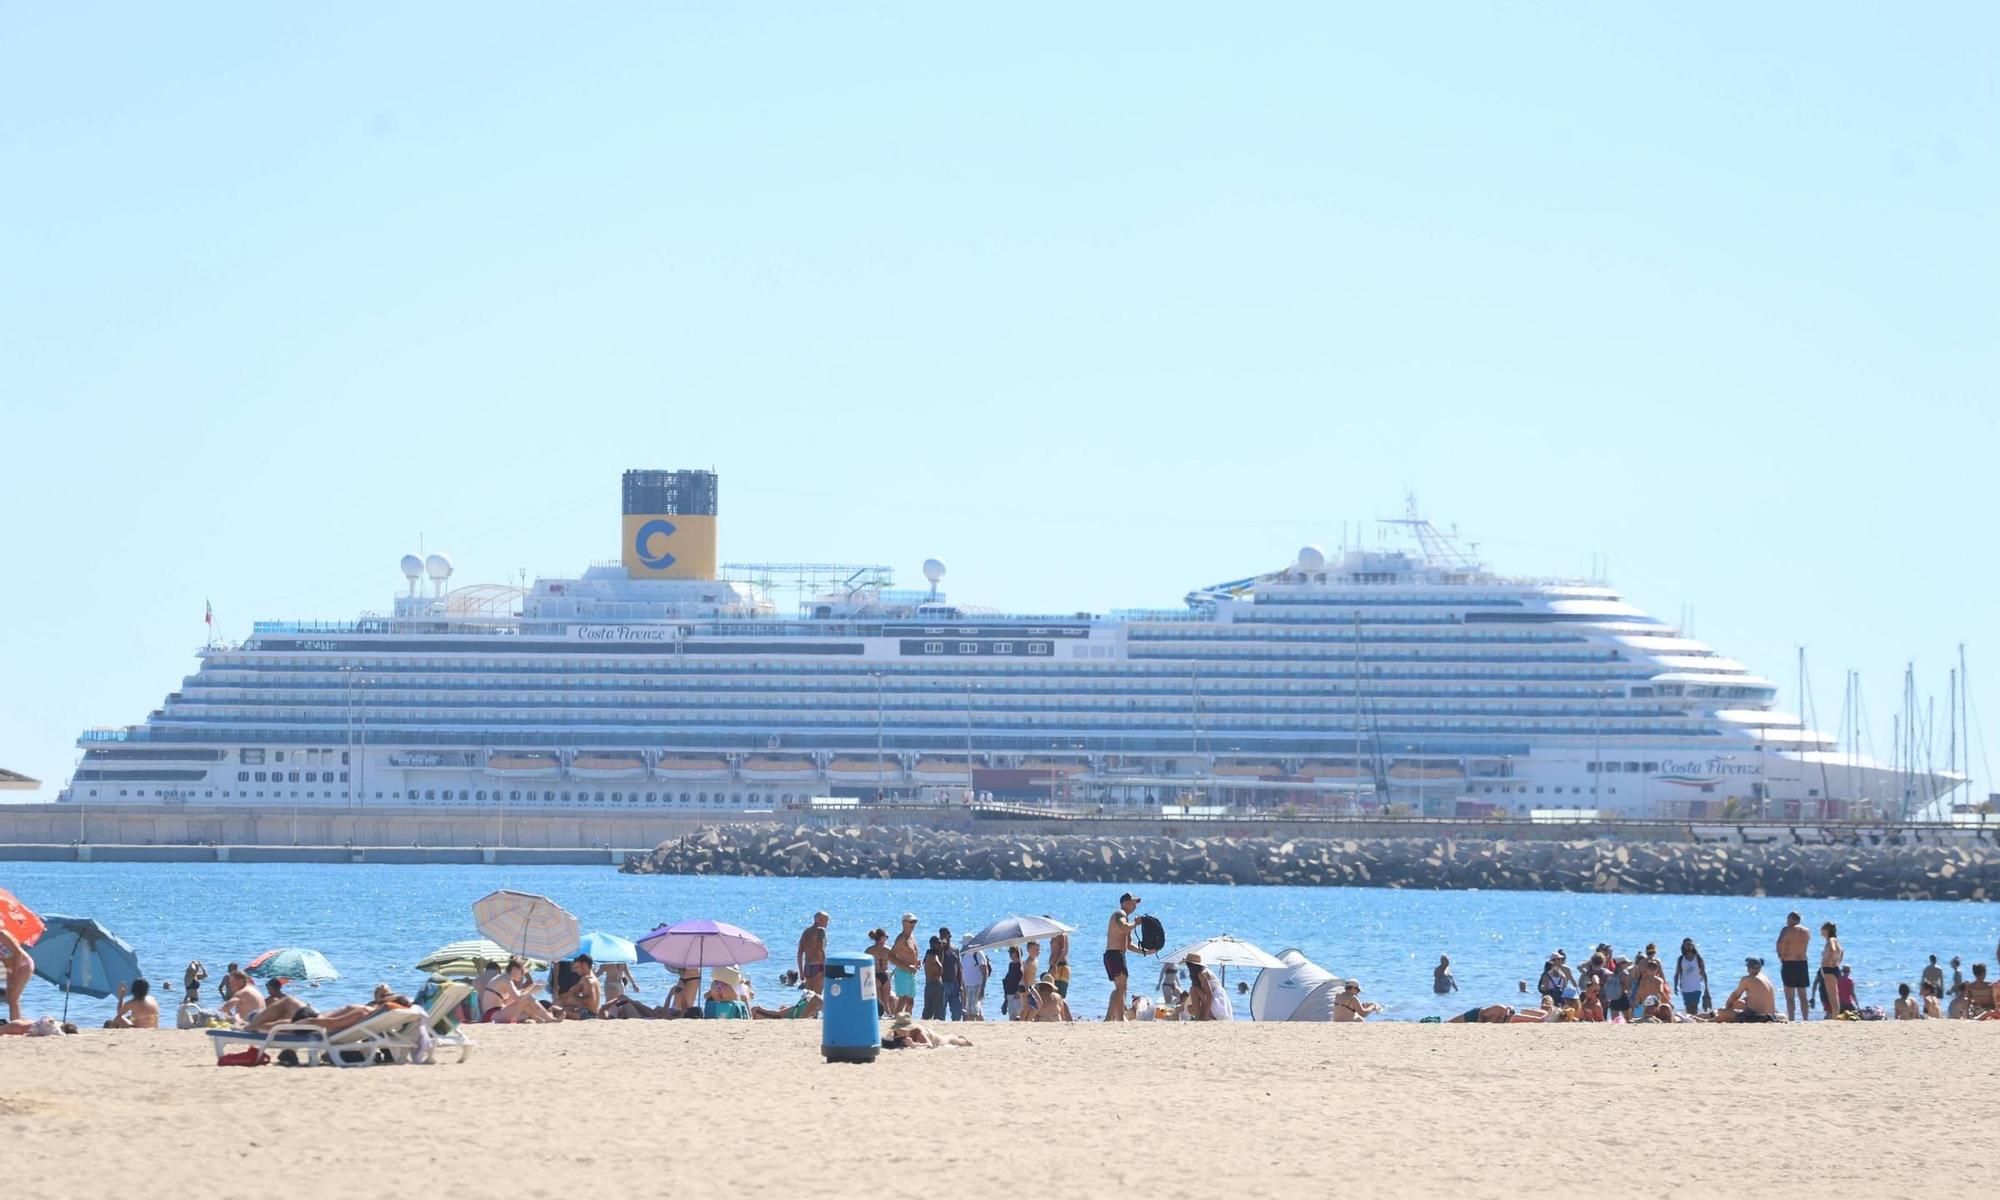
[669,546]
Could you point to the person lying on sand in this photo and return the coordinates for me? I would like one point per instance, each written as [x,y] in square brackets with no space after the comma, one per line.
[906,1034]
[1499,1014]
[45,1027]
[805,1008]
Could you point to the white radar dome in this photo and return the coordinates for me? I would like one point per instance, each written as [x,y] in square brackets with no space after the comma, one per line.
[438,566]
[412,566]
[933,570]
[1311,558]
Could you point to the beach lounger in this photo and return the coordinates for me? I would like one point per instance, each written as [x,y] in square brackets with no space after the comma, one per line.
[441,1018]
[395,1032]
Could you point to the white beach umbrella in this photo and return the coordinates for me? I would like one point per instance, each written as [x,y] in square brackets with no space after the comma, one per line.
[1226,951]
[527,924]
[1013,931]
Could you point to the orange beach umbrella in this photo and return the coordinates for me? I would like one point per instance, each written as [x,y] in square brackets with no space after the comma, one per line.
[18,919]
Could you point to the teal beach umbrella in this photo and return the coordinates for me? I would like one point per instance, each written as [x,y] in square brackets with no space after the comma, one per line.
[79,955]
[608,948]
[293,963]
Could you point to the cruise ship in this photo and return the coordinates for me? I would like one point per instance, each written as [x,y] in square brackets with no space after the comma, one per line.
[1408,680]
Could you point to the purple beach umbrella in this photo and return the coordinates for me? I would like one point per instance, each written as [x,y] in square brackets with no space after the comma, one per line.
[702,944]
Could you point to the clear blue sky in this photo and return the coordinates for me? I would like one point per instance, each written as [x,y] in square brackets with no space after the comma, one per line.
[1096,303]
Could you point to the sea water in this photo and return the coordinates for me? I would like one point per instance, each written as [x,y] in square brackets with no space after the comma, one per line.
[374,921]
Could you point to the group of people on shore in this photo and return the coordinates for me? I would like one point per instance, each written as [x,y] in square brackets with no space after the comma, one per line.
[1644,988]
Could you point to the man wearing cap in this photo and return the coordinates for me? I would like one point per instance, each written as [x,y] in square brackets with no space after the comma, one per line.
[906,962]
[1117,943]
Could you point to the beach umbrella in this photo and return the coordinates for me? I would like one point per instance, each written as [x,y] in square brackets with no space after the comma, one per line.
[1226,951]
[607,948]
[293,963]
[18,919]
[702,944]
[79,955]
[1223,952]
[526,923]
[458,959]
[1012,931]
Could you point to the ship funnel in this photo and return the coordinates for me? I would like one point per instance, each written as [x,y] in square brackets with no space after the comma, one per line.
[669,526]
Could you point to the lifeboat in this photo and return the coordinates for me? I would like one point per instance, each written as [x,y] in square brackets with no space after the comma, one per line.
[524,765]
[778,770]
[1046,769]
[1315,770]
[673,766]
[1247,771]
[1411,771]
[941,770]
[864,770]
[602,765]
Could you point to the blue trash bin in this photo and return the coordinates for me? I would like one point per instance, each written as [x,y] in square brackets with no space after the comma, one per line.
[848,1028]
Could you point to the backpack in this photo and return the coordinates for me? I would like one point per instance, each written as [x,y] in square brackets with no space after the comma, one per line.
[1151,935]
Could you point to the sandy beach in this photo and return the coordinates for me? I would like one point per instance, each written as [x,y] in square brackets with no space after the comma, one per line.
[1389,1110]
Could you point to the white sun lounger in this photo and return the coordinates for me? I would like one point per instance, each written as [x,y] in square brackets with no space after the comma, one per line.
[395,1031]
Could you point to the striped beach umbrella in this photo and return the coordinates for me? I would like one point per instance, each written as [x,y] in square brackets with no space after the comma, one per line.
[527,924]
[294,963]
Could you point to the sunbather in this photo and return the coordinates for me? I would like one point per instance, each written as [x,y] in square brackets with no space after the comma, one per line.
[243,1004]
[805,1008]
[583,997]
[278,1008]
[510,1000]
[347,1016]
[140,1011]
[1049,1002]
[1499,1014]
[906,1034]
[723,1001]
[47,1025]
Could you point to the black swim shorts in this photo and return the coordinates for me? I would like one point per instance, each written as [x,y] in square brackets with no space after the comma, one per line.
[1114,965]
[1794,973]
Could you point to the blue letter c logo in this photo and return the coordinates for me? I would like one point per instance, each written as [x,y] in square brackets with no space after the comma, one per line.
[654,528]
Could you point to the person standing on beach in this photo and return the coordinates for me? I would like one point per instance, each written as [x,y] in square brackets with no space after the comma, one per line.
[878,949]
[1690,977]
[1793,941]
[973,972]
[1059,962]
[19,969]
[811,957]
[954,982]
[933,982]
[1117,944]
[1031,968]
[1932,978]
[906,962]
[1010,983]
[1441,978]
[1830,958]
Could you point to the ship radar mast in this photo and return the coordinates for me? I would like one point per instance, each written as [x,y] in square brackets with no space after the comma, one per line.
[1440,547]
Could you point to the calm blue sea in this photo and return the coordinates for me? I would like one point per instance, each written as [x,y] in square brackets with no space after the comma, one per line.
[374,921]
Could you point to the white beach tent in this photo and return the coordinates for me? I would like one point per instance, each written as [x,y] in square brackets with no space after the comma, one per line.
[1297,991]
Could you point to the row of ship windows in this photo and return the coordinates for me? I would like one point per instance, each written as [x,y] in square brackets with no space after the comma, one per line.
[1519,700]
[288,776]
[1337,651]
[1209,721]
[469,796]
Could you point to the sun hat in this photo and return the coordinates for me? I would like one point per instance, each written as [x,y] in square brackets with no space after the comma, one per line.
[1193,959]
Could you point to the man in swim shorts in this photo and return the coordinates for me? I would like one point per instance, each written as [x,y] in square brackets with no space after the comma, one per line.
[812,954]
[1117,943]
[905,960]
[1753,1002]
[1792,970]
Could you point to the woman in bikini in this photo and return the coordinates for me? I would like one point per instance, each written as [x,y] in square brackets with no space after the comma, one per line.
[1830,958]
[878,949]
[19,969]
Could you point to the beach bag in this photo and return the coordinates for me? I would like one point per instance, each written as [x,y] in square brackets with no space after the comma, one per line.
[248,1056]
[1152,936]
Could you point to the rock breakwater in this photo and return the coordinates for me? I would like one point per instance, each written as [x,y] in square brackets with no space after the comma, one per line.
[1910,872]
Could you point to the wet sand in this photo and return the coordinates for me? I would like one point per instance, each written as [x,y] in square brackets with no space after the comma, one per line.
[1860,1109]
